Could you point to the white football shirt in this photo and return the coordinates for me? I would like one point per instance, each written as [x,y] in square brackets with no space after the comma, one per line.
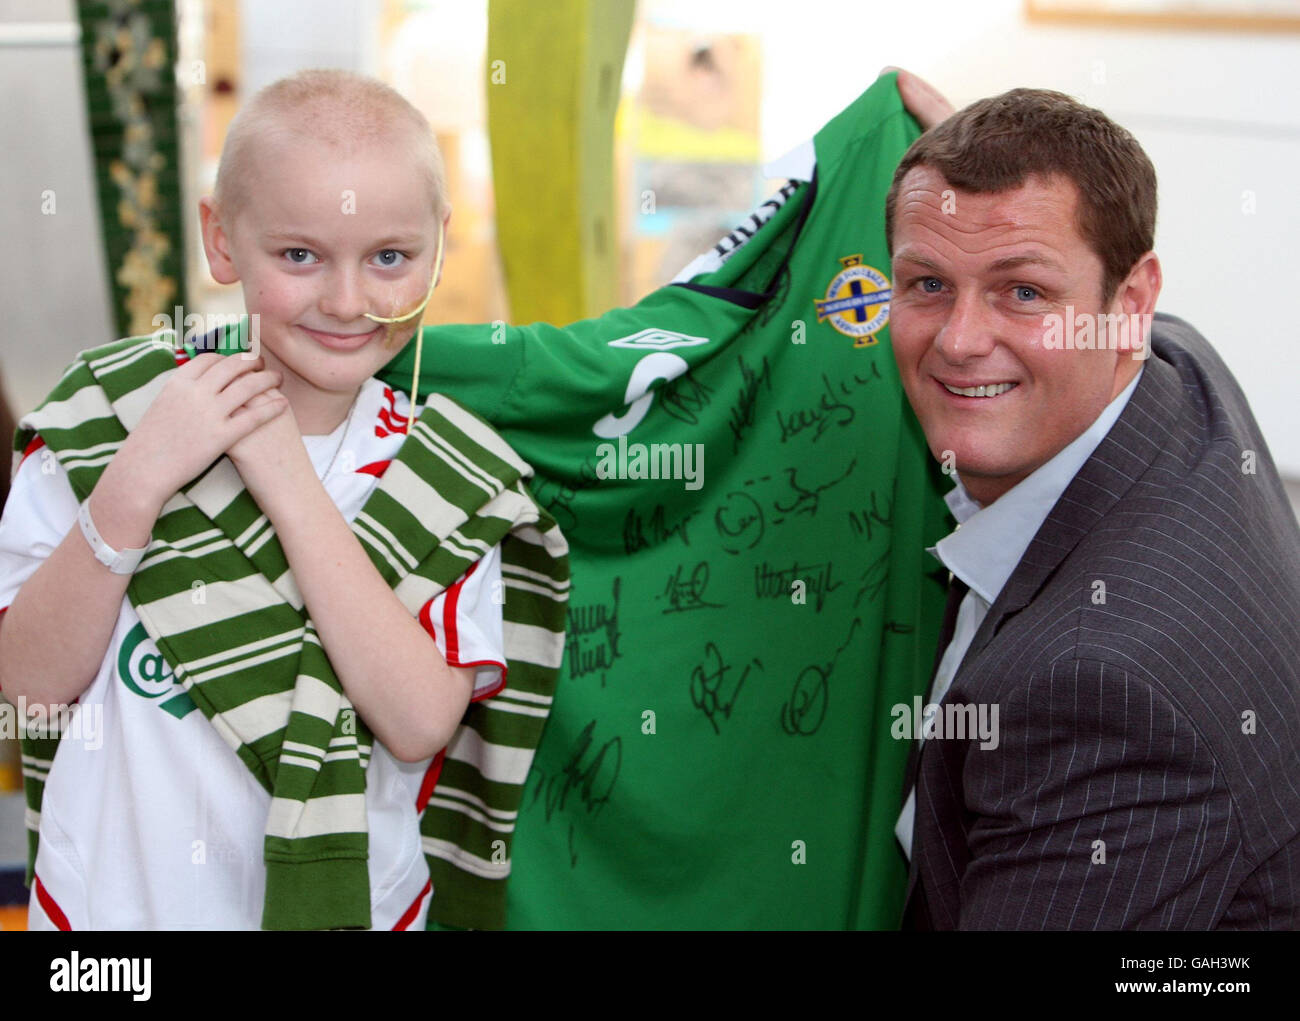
[149,820]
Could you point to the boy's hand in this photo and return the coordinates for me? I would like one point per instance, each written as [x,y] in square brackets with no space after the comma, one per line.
[272,459]
[204,409]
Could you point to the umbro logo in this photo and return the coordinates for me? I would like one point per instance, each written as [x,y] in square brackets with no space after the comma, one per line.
[658,340]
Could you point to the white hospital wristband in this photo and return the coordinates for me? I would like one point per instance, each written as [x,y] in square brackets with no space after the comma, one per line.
[118,561]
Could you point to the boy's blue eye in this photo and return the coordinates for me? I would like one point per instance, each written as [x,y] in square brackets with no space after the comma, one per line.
[298,256]
[390,257]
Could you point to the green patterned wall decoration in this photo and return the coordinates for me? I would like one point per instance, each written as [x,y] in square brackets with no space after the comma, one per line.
[128,52]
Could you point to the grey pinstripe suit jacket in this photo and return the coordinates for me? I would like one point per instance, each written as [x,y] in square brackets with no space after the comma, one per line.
[1148,770]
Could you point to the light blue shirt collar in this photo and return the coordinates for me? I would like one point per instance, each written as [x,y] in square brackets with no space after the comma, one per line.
[989,542]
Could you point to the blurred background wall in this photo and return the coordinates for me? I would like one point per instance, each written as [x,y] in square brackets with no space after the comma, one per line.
[1215,108]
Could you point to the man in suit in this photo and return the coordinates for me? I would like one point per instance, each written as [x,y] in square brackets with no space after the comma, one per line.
[1126,571]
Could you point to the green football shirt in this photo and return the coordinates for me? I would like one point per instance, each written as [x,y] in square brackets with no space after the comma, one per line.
[748,500]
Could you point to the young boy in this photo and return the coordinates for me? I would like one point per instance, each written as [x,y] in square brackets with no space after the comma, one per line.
[327,579]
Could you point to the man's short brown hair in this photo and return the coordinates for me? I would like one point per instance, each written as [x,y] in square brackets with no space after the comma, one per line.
[995,144]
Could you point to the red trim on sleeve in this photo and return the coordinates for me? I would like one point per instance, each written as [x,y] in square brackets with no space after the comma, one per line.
[452,656]
[449,617]
[375,468]
[497,688]
[414,910]
[51,909]
[426,619]
[36,443]
[430,781]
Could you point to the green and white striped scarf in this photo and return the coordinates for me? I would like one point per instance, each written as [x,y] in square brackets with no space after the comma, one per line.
[252,661]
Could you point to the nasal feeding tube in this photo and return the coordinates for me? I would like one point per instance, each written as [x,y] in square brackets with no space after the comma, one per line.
[392,322]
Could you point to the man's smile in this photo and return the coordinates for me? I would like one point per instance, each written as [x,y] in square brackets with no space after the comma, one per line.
[979,389]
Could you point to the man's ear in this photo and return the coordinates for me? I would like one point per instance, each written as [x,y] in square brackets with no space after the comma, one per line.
[1141,288]
[216,243]
[1135,298]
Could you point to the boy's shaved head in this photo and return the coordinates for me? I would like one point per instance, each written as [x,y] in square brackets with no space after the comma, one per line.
[340,109]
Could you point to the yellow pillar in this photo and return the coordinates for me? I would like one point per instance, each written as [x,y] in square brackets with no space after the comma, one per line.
[554,74]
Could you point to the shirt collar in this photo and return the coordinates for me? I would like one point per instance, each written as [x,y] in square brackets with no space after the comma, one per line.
[989,541]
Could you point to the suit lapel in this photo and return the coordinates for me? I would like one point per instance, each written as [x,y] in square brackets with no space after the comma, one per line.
[1138,436]
[1145,427]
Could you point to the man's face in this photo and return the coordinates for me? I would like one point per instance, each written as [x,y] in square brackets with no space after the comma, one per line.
[321,239]
[974,278]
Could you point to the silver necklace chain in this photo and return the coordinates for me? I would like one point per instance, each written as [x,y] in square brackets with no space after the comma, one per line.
[347,424]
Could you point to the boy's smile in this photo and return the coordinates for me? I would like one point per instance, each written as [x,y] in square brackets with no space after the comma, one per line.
[323,236]
[342,341]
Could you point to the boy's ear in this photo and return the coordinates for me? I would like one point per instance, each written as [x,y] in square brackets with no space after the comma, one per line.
[446,222]
[216,243]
